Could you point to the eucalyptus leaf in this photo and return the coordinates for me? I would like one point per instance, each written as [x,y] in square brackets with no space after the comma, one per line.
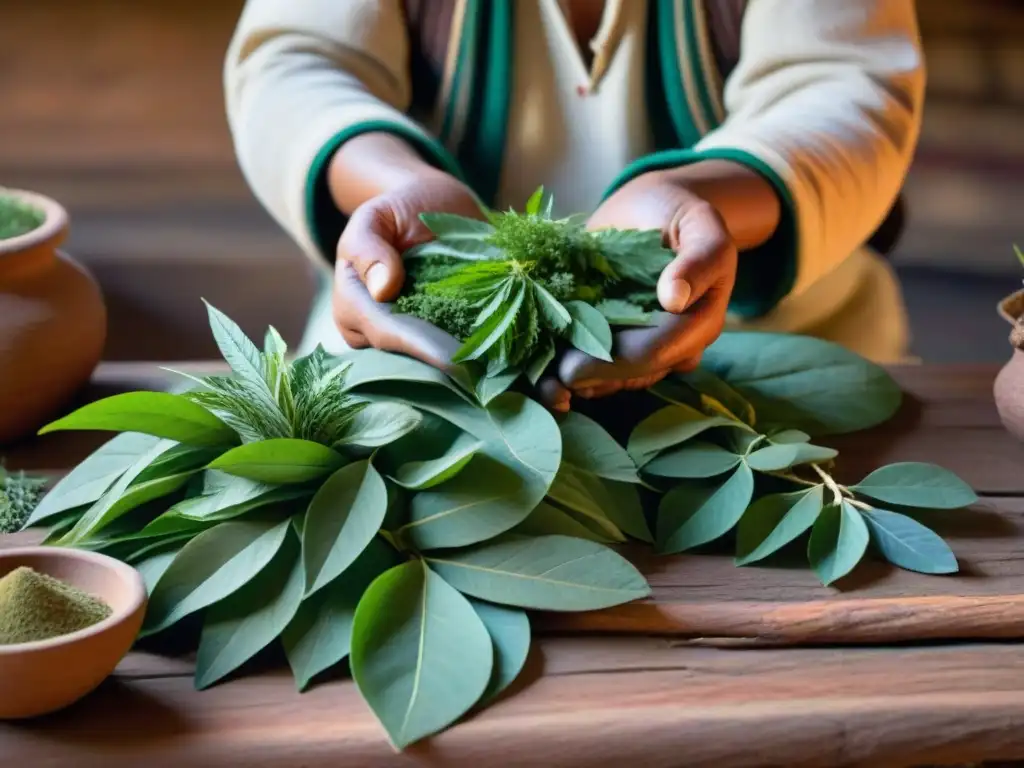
[161,414]
[668,427]
[372,366]
[718,398]
[421,656]
[378,424]
[838,542]
[489,387]
[509,629]
[692,514]
[694,460]
[421,475]
[235,630]
[799,382]
[774,458]
[536,367]
[212,566]
[177,460]
[154,567]
[588,446]
[343,518]
[547,520]
[589,332]
[621,312]
[226,496]
[573,490]
[772,522]
[906,543]
[320,634]
[281,460]
[786,436]
[548,573]
[917,485]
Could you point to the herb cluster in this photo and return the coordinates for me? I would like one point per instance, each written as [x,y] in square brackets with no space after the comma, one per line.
[19,495]
[515,287]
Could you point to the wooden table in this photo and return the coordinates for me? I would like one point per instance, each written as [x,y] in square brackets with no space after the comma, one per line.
[723,667]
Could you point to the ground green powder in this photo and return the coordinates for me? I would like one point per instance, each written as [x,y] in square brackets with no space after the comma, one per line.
[17,218]
[34,606]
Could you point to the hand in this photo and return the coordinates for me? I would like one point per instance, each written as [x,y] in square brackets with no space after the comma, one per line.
[369,270]
[694,288]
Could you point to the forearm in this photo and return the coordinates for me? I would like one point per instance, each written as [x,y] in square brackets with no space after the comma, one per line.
[373,164]
[746,201]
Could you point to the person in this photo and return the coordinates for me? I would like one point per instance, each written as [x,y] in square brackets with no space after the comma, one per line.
[768,139]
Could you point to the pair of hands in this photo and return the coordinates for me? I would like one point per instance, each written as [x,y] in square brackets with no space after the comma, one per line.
[694,288]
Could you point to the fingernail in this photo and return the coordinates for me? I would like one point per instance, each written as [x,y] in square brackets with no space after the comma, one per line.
[674,296]
[376,279]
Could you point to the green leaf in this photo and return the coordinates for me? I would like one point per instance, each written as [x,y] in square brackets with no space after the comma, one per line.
[117,500]
[694,460]
[621,312]
[451,227]
[789,436]
[541,360]
[547,520]
[178,459]
[772,522]
[238,351]
[548,573]
[509,629]
[421,656]
[588,446]
[774,458]
[534,203]
[212,566]
[282,460]
[691,515]
[477,504]
[838,541]
[496,326]
[669,427]
[237,629]
[273,345]
[718,398]
[906,543]
[93,477]
[797,381]
[172,417]
[377,424]
[590,332]
[638,256]
[153,568]
[573,490]
[421,475]
[913,484]
[463,250]
[226,496]
[320,635]
[373,366]
[343,518]
[489,387]
[555,315]
[623,508]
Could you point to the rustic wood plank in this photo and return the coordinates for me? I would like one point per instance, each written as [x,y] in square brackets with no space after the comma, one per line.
[582,702]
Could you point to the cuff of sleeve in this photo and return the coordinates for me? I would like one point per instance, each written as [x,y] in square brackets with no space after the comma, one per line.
[765,274]
[324,220]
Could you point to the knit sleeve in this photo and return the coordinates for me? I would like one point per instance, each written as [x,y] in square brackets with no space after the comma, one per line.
[302,77]
[826,103]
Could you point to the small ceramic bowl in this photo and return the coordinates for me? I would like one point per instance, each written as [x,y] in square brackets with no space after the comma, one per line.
[45,676]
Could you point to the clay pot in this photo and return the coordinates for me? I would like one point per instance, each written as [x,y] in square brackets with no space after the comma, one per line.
[1009,386]
[48,675]
[53,322]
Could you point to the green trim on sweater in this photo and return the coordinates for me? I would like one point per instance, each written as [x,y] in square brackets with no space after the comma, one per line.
[766,274]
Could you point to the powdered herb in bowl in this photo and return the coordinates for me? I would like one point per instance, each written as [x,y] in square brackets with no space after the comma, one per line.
[34,607]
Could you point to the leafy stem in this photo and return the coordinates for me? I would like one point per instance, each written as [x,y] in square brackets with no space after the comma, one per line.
[838,491]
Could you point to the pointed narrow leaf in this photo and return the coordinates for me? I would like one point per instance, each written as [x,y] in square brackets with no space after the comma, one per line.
[451,227]
[774,458]
[378,424]
[225,496]
[541,360]
[838,542]
[421,656]
[772,522]
[588,446]
[153,568]
[489,387]
[719,398]
[668,427]
[509,629]
[281,460]
[486,499]
[695,460]
[913,484]
[320,634]
[573,490]
[548,573]
[789,436]
[463,250]
[547,520]
[590,332]
[343,518]
[235,630]
[488,334]
[691,515]
[161,414]
[237,349]
[533,204]
[906,543]
[420,475]
[212,566]
[555,315]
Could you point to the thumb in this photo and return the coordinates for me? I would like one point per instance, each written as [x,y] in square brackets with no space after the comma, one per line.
[704,251]
[369,245]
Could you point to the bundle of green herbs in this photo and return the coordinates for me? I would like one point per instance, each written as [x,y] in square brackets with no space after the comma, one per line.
[515,287]
[371,508]
[19,494]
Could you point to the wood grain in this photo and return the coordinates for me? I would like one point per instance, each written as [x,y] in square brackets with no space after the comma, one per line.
[581,702]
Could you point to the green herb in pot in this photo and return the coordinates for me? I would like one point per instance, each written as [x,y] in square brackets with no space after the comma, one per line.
[17,217]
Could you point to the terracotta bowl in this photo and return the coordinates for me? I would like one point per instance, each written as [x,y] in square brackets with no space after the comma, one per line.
[1009,385]
[42,677]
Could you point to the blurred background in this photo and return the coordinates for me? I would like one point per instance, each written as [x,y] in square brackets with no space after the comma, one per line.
[115,109]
